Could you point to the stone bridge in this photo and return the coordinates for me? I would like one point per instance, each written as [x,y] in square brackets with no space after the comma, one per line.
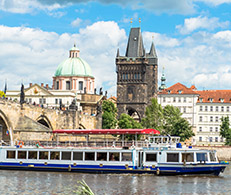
[32,122]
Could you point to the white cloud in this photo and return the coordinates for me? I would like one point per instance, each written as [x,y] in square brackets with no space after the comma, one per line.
[163,6]
[34,55]
[192,24]
[76,22]
[214,2]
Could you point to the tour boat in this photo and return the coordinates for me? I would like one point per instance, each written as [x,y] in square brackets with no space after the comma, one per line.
[159,155]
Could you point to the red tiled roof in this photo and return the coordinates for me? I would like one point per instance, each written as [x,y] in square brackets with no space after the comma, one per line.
[178,88]
[207,96]
[215,95]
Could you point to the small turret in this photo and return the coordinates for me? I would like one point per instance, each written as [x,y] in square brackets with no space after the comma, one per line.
[163,79]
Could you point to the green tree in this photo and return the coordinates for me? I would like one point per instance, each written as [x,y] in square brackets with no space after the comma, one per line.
[225,131]
[109,110]
[174,124]
[153,116]
[168,120]
[2,94]
[127,122]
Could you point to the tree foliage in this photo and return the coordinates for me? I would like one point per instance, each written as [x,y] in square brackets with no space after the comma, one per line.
[174,124]
[168,121]
[153,116]
[109,115]
[127,122]
[225,130]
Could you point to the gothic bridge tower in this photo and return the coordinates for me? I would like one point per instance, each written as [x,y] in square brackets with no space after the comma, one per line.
[137,76]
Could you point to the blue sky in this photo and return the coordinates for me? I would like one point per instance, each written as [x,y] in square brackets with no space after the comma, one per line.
[192,38]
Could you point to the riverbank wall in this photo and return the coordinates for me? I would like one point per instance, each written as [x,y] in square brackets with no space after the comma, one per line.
[223,152]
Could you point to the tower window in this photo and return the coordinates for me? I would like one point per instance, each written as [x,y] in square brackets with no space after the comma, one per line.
[68,85]
[80,85]
[57,85]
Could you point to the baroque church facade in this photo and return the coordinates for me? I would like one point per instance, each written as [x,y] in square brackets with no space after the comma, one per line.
[137,76]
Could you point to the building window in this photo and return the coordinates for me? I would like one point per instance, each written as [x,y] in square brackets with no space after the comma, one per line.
[200,139]
[216,129]
[200,129]
[210,139]
[57,84]
[216,118]
[211,119]
[184,99]
[216,108]
[179,99]
[68,85]
[222,108]
[201,108]
[200,119]
[227,109]
[211,108]
[80,85]
[56,101]
[206,108]
[174,99]
[30,100]
[211,129]
[222,139]
[164,99]
[216,139]
[184,110]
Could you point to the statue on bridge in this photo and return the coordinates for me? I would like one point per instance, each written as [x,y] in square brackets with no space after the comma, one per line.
[22,95]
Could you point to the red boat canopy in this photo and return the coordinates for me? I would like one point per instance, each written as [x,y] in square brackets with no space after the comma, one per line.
[107,131]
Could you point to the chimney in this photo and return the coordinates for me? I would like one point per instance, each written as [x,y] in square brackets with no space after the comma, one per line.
[47,86]
[30,85]
[42,84]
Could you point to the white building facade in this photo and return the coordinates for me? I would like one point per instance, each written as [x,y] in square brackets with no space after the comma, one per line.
[202,109]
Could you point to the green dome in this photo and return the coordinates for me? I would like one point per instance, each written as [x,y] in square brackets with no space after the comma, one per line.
[74,67]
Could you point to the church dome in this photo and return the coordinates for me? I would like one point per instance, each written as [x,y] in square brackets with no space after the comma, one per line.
[74,65]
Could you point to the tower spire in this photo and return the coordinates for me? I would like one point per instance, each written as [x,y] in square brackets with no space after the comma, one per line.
[163,79]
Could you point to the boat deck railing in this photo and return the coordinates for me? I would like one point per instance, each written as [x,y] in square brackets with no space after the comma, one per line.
[79,144]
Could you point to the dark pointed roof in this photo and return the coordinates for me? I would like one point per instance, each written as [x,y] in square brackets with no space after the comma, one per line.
[152,52]
[135,47]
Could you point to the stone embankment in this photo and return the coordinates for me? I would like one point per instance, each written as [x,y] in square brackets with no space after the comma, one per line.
[223,152]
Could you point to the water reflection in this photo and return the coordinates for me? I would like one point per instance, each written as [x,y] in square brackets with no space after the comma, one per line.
[22,182]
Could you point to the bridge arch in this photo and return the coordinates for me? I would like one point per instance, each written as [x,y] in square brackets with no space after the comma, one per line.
[134,114]
[81,126]
[42,119]
[5,125]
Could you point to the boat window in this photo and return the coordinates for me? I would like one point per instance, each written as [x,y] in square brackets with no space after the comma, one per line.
[151,157]
[202,157]
[89,156]
[102,156]
[10,154]
[77,156]
[114,156]
[66,155]
[43,155]
[172,157]
[32,155]
[21,154]
[187,157]
[212,156]
[126,156]
[54,155]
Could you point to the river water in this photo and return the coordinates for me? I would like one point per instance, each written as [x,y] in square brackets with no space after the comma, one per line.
[52,183]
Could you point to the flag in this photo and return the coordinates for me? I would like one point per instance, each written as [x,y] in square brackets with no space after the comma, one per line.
[7,132]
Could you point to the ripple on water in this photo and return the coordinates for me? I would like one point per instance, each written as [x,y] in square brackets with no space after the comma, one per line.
[53,183]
